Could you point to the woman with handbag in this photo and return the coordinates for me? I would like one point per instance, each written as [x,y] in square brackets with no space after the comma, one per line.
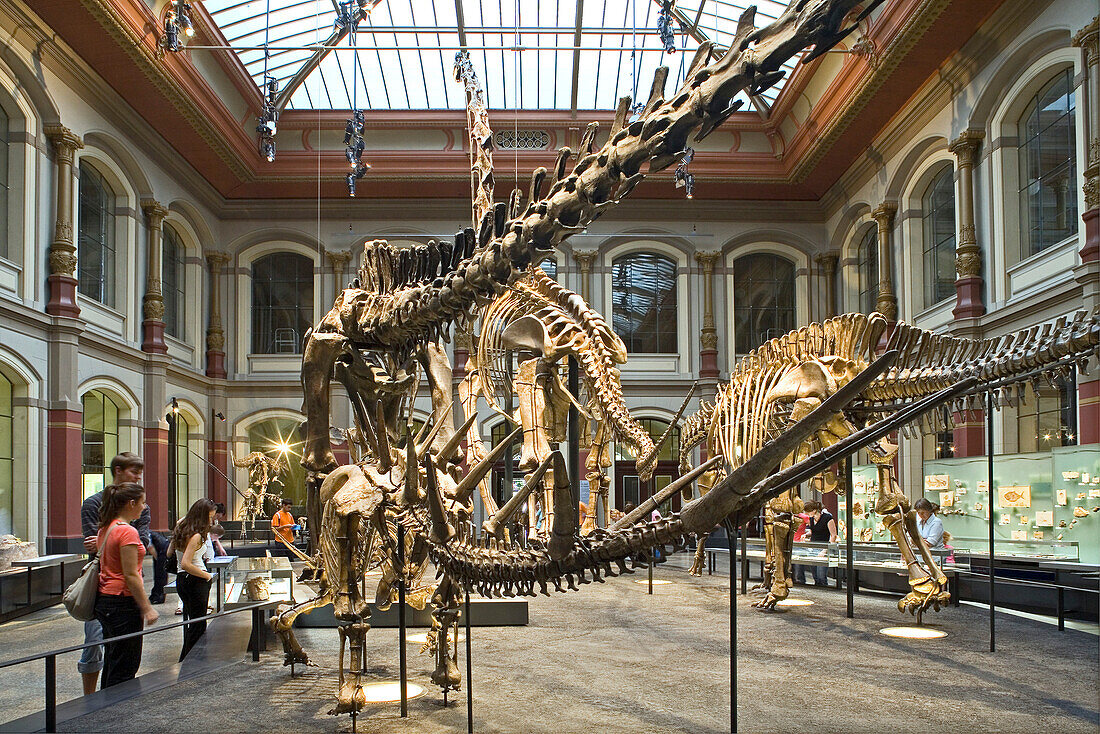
[193,580]
[121,606]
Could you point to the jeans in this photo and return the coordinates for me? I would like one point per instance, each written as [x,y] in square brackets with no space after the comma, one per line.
[821,575]
[195,595]
[160,570]
[798,571]
[91,660]
[119,615]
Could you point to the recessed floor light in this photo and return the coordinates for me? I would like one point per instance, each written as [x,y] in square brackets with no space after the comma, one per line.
[421,638]
[390,691]
[656,582]
[794,603]
[913,633]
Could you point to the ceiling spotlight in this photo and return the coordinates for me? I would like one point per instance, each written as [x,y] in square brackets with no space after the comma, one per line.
[685,179]
[268,150]
[351,184]
[664,26]
[170,41]
[220,416]
[353,139]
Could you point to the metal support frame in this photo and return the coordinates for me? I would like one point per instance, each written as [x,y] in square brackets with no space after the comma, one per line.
[989,504]
[469,672]
[848,547]
[401,621]
[731,543]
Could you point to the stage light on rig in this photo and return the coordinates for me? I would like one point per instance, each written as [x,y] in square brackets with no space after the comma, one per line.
[176,21]
[266,122]
[664,27]
[353,153]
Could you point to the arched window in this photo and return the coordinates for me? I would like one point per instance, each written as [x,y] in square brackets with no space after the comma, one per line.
[7,458]
[550,267]
[172,283]
[629,487]
[278,438]
[99,436]
[643,310]
[4,185]
[867,264]
[763,299]
[1048,166]
[938,220]
[96,245]
[282,303]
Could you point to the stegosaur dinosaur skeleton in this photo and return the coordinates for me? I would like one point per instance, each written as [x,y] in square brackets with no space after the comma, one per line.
[780,381]
[405,301]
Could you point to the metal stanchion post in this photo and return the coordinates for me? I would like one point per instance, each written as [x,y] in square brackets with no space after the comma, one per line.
[574,436]
[733,630]
[469,672]
[51,693]
[651,556]
[401,619]
[744,561]
[850,567]
[989,503]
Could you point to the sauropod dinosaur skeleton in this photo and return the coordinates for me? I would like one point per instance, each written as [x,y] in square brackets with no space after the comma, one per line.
[777,382]
[405,300]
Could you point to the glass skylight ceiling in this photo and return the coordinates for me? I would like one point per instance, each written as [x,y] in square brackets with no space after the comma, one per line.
[405,50]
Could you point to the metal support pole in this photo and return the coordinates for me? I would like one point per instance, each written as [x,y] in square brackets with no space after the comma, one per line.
[51,693]
[256,620]
[733,630]
[1061,609]
[574,437]
[849,565]
[509,454]
[989,503]
[650,564]
[401,620]
[469,672]
[172,468]
[744,562]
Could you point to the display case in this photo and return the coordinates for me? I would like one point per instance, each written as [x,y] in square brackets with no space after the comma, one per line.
[273,577]
[865,556]
[1044,505]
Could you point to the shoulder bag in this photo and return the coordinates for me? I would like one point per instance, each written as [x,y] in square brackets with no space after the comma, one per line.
[79,598]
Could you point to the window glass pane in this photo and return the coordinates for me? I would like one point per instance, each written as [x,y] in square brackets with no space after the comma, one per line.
[1048,418]
[182,439]
[268,437]
[938,224]
[550,267]
[282,303]
[656,428]
[4,183]
[7,455]
[631,493]
[868,270]
[1048,166]
[172,282]
[95,241]
[643,297]
[99,432]
[764,304]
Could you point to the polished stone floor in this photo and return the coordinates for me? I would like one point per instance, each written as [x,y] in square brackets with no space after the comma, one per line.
[612,658]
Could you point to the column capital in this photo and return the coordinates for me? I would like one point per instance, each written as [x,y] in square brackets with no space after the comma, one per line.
[65,140]
[884,214]
[155,211]
[338,259]
[965,147]
[707,260]
[585,259]
[828,260]
[216,260]
[1088,39]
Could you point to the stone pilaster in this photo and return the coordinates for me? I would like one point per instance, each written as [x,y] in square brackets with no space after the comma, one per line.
[827,261]
[62,278]
[887,303]
[708,335]
[215,333]
[968,254]
[152,303]
[1088,40]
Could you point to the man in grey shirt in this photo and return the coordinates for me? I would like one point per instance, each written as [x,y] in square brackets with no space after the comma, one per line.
[126,467]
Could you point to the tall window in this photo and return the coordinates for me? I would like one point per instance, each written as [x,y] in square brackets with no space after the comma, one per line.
[938,215]
[763,299]
[172,283]
[99,435]
[940,444]
[643,302]
[656,428]
[282,303]
[7,458]
[867,263]
[96,244]
[550,267]
[182,461]
[1048,417]
[272,437]
[1048,166]
[4,186]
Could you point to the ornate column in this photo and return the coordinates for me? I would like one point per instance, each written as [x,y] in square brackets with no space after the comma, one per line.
[585,259]
[968,255]
[887,303]
[1088,39]
[215,334]
[62,278]
[708,335]
[339,261]
[152,303]
[827,261]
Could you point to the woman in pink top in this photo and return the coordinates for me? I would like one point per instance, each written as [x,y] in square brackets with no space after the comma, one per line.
[122,605]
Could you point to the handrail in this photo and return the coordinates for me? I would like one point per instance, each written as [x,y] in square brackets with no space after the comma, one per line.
[142,633]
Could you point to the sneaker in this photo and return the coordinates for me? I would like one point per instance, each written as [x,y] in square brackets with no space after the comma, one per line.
[156,599]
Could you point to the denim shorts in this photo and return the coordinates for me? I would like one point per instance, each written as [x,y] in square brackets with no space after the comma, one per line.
[91,660]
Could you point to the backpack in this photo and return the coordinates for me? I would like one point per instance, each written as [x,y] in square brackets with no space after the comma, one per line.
[79,598]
